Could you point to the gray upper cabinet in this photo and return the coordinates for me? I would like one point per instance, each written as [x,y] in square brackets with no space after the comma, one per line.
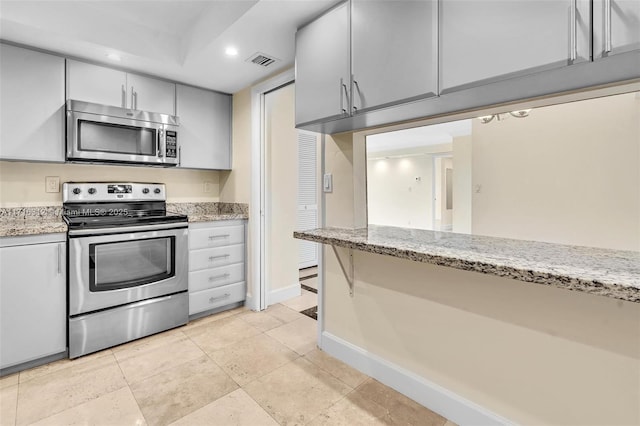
[32,99]
[484,41]
[322,67]
[205,128]
[394,50]
[616,27]
[150,94]
[107,86]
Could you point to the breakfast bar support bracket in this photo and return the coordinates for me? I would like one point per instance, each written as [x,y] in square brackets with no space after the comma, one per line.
[348,275]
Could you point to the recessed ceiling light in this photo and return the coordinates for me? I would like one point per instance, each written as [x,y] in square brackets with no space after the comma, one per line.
[114,56]
[231,51]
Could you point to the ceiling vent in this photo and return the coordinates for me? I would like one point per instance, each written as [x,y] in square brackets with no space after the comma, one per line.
[262,59]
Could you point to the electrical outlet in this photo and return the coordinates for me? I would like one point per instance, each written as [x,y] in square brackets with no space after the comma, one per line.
[207,186]
[52,184]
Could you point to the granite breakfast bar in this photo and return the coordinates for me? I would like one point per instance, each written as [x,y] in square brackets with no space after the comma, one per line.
[610,273]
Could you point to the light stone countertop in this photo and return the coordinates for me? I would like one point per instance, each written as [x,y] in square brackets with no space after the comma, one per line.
[610,273]
[16,221]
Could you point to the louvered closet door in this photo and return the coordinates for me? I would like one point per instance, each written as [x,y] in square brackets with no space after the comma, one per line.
[307,196]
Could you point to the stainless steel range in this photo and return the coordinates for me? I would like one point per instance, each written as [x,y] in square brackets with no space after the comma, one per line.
[127,267]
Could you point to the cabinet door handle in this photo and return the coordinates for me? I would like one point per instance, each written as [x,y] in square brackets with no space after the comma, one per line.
[179,156]
[217,277]
[224,296]
[135,100]
[343,87]
[353,95]
[131,105]
[124,97]
[607,26]
[574,28]
[213,237]
[59,258]
[222,256]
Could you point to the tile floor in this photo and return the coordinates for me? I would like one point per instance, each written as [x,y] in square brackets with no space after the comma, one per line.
[234,368]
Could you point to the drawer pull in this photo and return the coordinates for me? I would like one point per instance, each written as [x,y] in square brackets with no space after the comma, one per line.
[224,296]
[217,277]
[222,256]
[213,237]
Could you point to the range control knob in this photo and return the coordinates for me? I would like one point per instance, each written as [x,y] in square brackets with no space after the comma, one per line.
[92,191]
[156,191]
[77,191]
[145,190]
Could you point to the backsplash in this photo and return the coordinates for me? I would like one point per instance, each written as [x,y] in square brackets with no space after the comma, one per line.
[23,184]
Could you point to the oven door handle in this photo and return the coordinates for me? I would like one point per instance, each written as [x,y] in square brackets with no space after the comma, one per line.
[127,229]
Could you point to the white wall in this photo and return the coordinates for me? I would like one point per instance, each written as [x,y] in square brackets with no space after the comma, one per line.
[566,174]
[462,184]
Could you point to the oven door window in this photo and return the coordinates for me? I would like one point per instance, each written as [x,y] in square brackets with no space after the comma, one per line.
[116,138]
[118,265]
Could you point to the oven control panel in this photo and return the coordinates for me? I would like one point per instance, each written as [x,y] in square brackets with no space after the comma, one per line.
[112,191]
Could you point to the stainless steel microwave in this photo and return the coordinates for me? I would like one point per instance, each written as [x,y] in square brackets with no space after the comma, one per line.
[105,134]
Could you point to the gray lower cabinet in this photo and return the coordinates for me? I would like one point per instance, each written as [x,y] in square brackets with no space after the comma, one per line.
[205,128]
[481,41]
[616,27]
[33,297]
[32,99]
[216,265]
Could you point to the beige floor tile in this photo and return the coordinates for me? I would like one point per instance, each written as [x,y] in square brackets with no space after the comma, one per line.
[115,408]
[403,410]
[261,320]
[216,335]
[337,368]
[62,364]
[236,408]
[55,392]
[8,403]
[450,423]
[283,313]
[353,410]
[148,343]
[305,301]
[181,390]
[252,358]
[10,380]
[215,317]
[147,363]
[297,392]
[299,335]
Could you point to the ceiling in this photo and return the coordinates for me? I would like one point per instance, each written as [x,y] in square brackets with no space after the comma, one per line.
[182,40]
[418,137]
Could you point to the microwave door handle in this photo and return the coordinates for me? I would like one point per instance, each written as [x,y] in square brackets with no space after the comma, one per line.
[159,136]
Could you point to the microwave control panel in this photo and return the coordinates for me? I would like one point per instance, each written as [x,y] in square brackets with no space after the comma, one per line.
[171,141]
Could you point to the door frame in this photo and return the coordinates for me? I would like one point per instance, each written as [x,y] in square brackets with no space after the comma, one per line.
[257,218]
[434,158]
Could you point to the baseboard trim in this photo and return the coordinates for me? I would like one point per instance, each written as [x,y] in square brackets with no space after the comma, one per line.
[426,393]
[282,294]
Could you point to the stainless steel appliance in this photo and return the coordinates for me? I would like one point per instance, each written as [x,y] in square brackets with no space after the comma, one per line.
[128,264]
[106,134]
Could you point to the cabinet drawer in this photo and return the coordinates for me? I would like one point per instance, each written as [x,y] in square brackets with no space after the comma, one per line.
[215,277]
[216,297]
[216,237]
[214,257]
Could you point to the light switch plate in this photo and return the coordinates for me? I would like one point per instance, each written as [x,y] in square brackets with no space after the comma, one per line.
[52,184]
[327,182]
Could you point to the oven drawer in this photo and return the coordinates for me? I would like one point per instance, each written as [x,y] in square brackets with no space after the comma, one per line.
[216,237]
[216,297]
[215,277]
[214,257]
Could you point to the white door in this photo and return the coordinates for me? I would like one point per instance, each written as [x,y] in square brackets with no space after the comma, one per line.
[307,195]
